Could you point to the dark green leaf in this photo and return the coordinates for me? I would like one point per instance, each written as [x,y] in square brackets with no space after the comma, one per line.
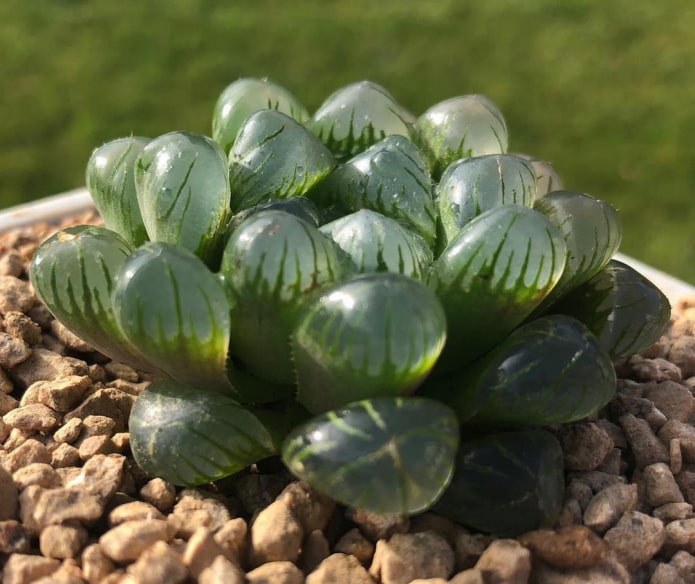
[386,455]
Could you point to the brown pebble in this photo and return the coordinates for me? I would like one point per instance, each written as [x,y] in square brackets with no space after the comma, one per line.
[276,535]
[101,475]
[37,473]
[109,402]
[96,565]
[661,488]
[645,445]
[134,510]
[636,539]
[9,496]
[505,561]
[666,574]
[7,403]
[680,535]
[158,564]
[29,452]
[69,339]
[222,571]
[686,482]
[685,564]
[43,365]
[15,295]
[38,417]
[278,572]
[672,511]
[68,432]
[355,544]
[21,326]
[682,354]
[469,547]
[94,445]
[674,451]
[159,493]
[339,568]
[470,576]
[23,568]
[194,511]
[685,433]
[312,509]
[55,506]
[14,538]
[200,551]
[673,399]
[377,526]
[60,394]
[315,549]
[584,445]
[231,537]
[62,541]
[64,456]
[13,351]
[128,540]
[570,514]
[406,556]
[654,369]
[11,264]
[570,547]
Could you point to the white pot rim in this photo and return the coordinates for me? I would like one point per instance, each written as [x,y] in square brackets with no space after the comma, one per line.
[56,207]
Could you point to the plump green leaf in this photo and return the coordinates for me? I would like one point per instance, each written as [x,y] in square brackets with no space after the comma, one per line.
[245,97]
[551,370]
[390,178]
[386,455]
[175,311]
[111,182]
[474,185]
[495,271]
[547,178]
[376,243]
[183,191]
[592,232]
[625,311]
[468,125]
[72,273]
[379,334]
[272,264]
[357,116]
[506,484]
[190,436]
[301,207]
[275,157]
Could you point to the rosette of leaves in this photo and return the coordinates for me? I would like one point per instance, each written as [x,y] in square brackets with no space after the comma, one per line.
[307,287]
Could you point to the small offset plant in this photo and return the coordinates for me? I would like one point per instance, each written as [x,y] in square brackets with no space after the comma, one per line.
[394,305]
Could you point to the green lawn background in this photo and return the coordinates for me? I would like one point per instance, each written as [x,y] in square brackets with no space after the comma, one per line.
[603,89]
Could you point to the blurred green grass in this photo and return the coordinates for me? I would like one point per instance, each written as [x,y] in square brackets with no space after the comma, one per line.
[604,90]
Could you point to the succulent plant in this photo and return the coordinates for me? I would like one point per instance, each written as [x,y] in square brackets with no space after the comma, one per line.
[394,305]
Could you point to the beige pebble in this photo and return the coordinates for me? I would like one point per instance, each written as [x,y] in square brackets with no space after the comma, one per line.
[68,432]
[109,402]
[101,475]
[159,493]
[645,445]
[61,394]
[672,511]
[676,455]
[570,547]
[570,514]
[55,506]
[65,455]
[636,539]
[62,541]
[682,354]
[312,509]
[195,510]
[134,510]
[654,369]
[222,571]
[685,564]
[339,568]
[505,560]
[38,417]
[666,574]
[94,425]
[377,526]
[69,339]
[439,524]
[27,453]
[406,556]
[661,488]
[278,572]
[680,535]
[315,549]
[685,433]
[470,576]
[96,565]
[14,538]
[584,445]
[231,537]
[9,496]
[128,540]
[7,404]
[37,473]
[607,506]
[158,564]
[122,371]
[354,543]
[201,550]
[580,491]
[95,445]
[11,264]
[23,568]
[672,398]
[469,547]
[21,326]
[686,482]
[276,535]
[13,351]
[43,365]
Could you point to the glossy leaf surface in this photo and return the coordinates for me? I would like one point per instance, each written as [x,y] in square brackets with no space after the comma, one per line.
[474,185]
[376,243]
[551,370]
[72,273]
[245,97]
[492,275]
[183,191]
[272,264]
[625,311]
[189,436]
[379,334]
[547,178]
[386,455]
[468,125]
[111,182]
[506,484]
[391,178]
[592,232]
[175,311]
[357,116]
[275,157]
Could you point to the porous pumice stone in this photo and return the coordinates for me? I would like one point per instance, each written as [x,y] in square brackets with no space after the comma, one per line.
[74,507]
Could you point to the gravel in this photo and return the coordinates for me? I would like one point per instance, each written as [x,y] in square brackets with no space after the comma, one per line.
[74,507]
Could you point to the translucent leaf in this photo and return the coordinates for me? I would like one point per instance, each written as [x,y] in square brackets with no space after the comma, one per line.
[390,178]
[551,370]
[183,191]
[468,125]
[493,274]
[190,437]
[72,273]
[474,185]
[111,182]
[385,455]
[379,334]
[357,116]
[547,178]
[272,264]
[275,157]
[175,311]
[506,484]
[625,311]
[375,243]
[245,97]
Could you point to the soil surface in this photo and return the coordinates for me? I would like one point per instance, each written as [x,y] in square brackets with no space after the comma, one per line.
[75,508]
